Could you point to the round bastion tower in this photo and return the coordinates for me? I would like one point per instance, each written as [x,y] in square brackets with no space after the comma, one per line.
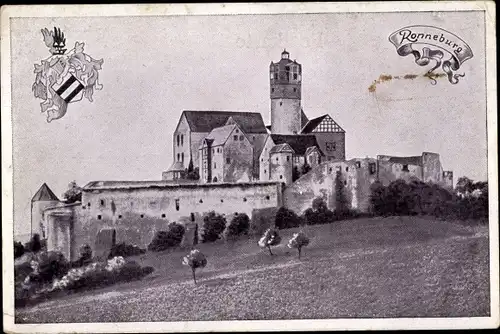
[286,79]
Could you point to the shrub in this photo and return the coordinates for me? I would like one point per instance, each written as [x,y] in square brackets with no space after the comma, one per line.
[270,238]
[319,213]
[34,245]
[167,239]
[195,259]
[125,250]
[213,226]
[18,249]
[298,241]
[48,266]
[262,219]
[239,225]
[286,218]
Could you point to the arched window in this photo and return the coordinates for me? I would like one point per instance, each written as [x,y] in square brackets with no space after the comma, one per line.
[182,157]
[178,156]
[178,140]
[182,140]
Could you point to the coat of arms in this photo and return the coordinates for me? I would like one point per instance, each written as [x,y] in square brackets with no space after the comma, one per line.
[64,78]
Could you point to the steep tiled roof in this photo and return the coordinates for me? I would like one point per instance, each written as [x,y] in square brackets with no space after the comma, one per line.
[281,148]
[219,135]
[206,121]
[44,194]
[299,143]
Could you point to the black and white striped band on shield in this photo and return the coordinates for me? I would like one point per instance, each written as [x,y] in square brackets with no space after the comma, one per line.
[69,88]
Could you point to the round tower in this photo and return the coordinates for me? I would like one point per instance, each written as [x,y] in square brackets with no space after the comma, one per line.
[286,79]
[43,199]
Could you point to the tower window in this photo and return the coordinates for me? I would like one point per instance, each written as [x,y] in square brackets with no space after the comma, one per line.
[405,168]
[281,177]
[192,217]
[177,204]
[178,156]
[295,77]
[288,158]
[178,140]
[275,75]
[267,197]
[163,215]
[142,216]
[99,217]
[287,68]
[237,131]
[182,140]
[272,90]
[102,202]
[182,156]
[119,216]
[372,168]
[347,169]
[235,137]
[281,103]
[241,138]
[295,89]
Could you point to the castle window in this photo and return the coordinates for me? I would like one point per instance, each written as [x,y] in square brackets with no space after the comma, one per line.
[262,160]
[119,216]
[405,168]
[178,156]
[88,204]
[142,216]
[182,140]
[275,75]
[163,215]
[272,90]
[213,150]
[241,138]
[276,158]
[281,177]
[182,157]
[177,204]
[295,78]
[265,171]
[330,170]
[244,199]
[215,179]
[281,103]
[222,201]
[372,168]
[102,202]
[215,165]
[201,201]
[237,131]
[228,160]
[99,217]
[235,137]
[178,140]
[358,164]
[347,169]
[192,217]
[345,183]
[287,158]
[287,68]
[267,197]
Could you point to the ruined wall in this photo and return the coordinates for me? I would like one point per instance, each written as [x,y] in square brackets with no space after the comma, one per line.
[280,167]
[332,144]
[432,169]
[356,174]
[240,155]
[390,171]
[137,213]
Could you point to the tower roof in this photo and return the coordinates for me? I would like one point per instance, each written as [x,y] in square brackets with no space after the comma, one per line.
[44,194]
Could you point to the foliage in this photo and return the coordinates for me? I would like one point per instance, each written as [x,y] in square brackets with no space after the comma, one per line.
[18,249]
[319,213]
[270,238]
[213,226]
[125,250]
[239,225]
[34,245]
[47,266]
[85,256]
[262,219]
[191,173]
[73,194]
[195,259]
[305,168]
[167,239]
[470,201]
[286,218]
[298,241]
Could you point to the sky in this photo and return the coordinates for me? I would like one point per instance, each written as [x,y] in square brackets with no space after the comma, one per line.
[155,67]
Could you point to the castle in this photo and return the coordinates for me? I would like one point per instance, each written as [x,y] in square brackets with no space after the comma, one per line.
[230,162]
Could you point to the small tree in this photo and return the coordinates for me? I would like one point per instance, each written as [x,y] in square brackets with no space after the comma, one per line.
[270,238]
[167,239]
[34,245]
[73,194]
[213,226]
[195,259]
[298,241]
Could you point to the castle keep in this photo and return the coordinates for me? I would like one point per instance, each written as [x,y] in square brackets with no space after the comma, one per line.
[230,162]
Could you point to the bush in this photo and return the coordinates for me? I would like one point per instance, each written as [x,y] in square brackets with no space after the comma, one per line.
[34,245]
[298,241]
[286,218]
[48,266]
[18,249]
[213,226]
[238,226]
[262,219]
[319,213]
[167,239]
[125,250]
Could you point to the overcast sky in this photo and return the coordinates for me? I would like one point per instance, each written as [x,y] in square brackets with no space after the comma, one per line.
[155,67]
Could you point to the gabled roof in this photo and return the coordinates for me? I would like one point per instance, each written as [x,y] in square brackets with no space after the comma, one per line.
[44,194]
[220,135]
[206,121]
[281,148]
[313,123]
[299,143]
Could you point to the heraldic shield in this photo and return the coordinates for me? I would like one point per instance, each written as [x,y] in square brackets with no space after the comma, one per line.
[64,78]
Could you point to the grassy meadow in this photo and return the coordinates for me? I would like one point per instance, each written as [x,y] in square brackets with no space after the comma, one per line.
[370,267]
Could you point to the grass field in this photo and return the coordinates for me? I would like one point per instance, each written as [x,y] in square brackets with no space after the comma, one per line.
[377,267]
